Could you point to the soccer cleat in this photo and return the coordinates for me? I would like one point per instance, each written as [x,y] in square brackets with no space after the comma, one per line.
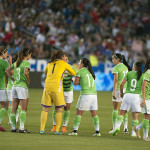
[126,131]
[2,129]
[14,130]
[97,134]
[54,128]
[146,139]
[57,133]
[137,132]
[41,132]
[64,129]
[23,131]
[115,132]
[111,131]
[133,134]
[73,133]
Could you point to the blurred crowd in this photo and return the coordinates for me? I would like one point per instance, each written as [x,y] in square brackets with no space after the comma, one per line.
[81,28]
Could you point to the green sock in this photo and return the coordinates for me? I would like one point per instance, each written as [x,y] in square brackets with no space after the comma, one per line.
[119,121]
[125,121]
[13,121]
[54,115]
[96,123]
[22,119]
[66,117]
[18,113]
[2,114]
[145,125]
[135,123]
[114,117]
[9,110]
[76,122]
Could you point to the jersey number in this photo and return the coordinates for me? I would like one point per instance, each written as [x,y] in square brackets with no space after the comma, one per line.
[53,67]
[89,81]
[133,84]
[124,73]
[18,74]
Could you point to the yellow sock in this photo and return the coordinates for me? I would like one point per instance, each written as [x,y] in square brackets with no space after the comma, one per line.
[58,119]
[43,119]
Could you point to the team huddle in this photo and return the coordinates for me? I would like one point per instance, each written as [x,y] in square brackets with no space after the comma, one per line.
[131,90]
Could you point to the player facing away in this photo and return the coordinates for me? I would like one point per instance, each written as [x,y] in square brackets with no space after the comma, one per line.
[145,104]
[119,71]
[20,92]
[131,98]
[68,94]
[88,96]
[53,90]
[3,93]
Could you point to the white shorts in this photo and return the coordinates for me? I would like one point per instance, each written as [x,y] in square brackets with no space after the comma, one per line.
[68,96]
[9,94]
[3,96]
[87,102]
[131,101]
[146,108]
[118,98]
[20,93]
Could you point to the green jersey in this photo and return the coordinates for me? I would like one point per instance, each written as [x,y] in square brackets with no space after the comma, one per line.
[10,84]
[87,82]
[133,85]
[67,84]
[3,66]
[121,70]
[147,78]
[19,76]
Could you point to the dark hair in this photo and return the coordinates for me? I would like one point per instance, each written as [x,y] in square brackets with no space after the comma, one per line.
[123,60]
[87,64]
[56,55]
[138,66]
[147,65]
[2,50]
[14,59]
[22,53]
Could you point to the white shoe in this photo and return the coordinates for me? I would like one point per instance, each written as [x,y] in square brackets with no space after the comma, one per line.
[111,131]
[133,134]
[73,133]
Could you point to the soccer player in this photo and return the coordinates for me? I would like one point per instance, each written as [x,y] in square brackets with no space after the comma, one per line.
[145,104]
[53,90]
[119,71]
[131,99]
[88,96]
[3,93]
[68,94]
[20,92]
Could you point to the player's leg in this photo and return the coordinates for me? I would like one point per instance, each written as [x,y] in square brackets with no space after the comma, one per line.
[135,122]
[125,122]
[145,126]
[54,121]
[9,111]
[18,113]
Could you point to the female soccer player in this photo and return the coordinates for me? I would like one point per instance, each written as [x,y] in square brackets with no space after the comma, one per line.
[119,71]
[131,99]
[88,97]
[68,94]
[20,92]
[53,91]
[145,104]
[3,93]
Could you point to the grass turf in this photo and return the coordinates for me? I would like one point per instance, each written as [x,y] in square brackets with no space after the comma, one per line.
[84,140]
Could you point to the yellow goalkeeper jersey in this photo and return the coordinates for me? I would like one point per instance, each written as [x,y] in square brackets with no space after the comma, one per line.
[54,75]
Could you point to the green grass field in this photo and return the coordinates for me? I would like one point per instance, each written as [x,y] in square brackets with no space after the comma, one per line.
[84,140]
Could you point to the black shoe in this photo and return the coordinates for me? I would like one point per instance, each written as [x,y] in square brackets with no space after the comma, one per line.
[14,130]
[126,131]
[23,131]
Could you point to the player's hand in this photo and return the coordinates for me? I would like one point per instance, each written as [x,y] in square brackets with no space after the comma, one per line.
[143,103]
[114,95]
[121,95]
[9,59]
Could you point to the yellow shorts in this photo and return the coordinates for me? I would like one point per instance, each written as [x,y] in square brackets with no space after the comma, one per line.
[49,98]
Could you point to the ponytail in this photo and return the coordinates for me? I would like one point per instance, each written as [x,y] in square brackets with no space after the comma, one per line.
[147,65]
[138,66]
[87,64]
[123,60]
[22,53]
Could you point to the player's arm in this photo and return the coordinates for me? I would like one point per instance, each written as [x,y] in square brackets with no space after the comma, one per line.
[26,70]
[70,70]
[8,73]
[76,81]
[121,87]
[143,92]
[115,85]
